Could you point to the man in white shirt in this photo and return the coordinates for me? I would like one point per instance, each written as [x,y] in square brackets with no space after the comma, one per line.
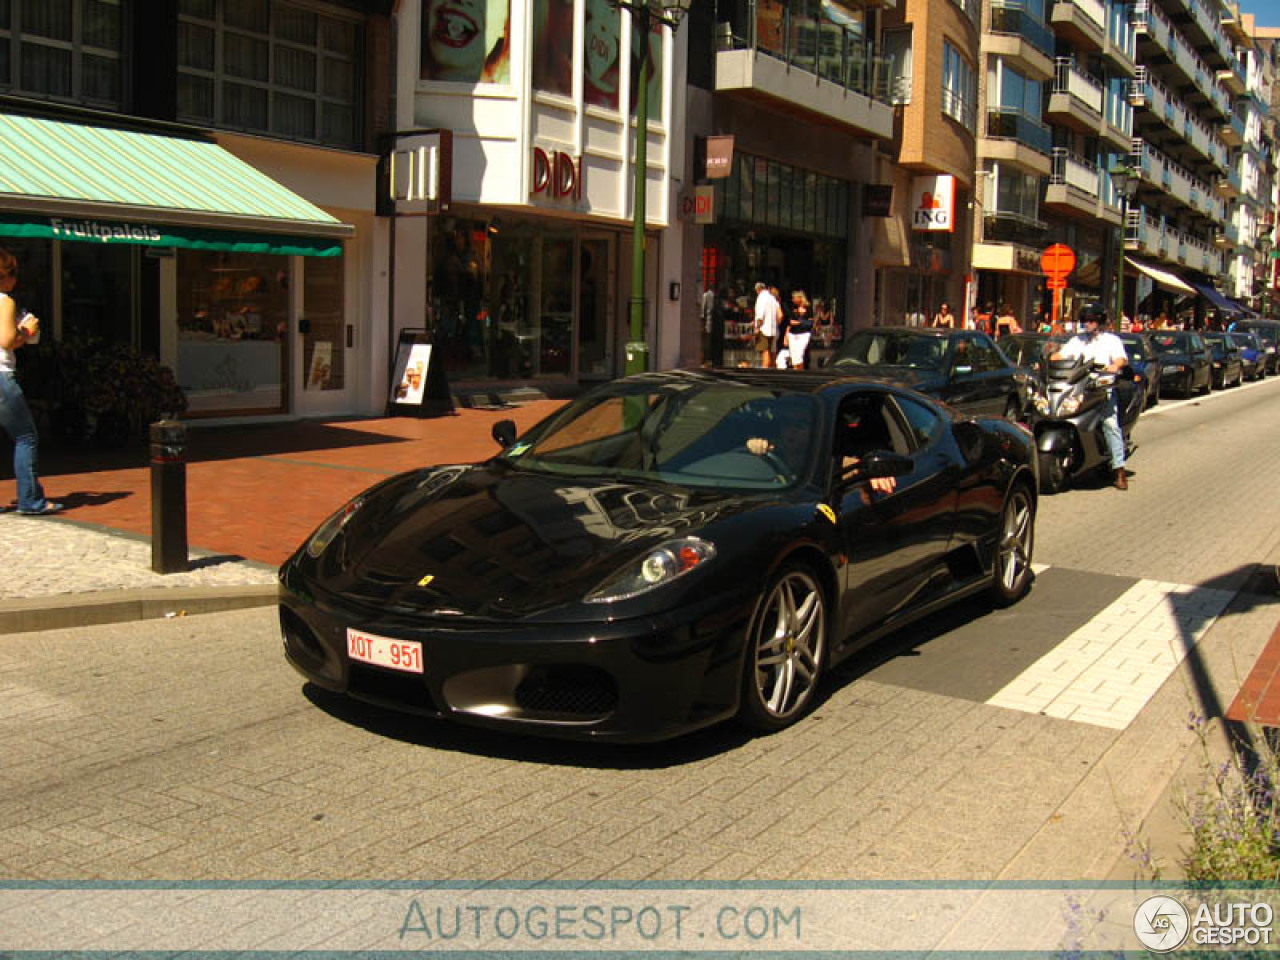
[1097,346]
[768,312]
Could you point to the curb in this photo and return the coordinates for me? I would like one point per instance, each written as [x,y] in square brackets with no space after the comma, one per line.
[120,606]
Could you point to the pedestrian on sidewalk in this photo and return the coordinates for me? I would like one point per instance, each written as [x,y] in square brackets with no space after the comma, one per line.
[768,315]
[17,329]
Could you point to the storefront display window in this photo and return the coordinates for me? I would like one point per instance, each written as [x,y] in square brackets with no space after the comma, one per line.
[233,316]
[502,299]
[553,46]
[97,304]
[601,51]
[466,41]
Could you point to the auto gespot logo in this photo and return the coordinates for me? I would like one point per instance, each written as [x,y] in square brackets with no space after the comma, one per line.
[1162,923]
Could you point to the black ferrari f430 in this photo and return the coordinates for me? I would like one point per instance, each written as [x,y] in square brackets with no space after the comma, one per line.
[666,551]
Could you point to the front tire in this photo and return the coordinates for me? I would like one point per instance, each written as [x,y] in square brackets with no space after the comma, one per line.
[786,650]
[1053,474]
[1011,576]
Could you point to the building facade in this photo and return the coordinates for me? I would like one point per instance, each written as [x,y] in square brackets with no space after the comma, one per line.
[193,179]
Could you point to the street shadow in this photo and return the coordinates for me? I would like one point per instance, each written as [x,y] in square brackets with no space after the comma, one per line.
[437,734]
[89,498]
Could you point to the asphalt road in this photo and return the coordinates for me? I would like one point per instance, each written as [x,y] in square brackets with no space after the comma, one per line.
[186,749]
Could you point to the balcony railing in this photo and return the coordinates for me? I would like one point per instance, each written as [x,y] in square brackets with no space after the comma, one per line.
[1070,79]
[1004,123]
[1093,9]
[1150,19]
[819,45]
[1074,172]
[1011,18]
[959,108]
[1003,226]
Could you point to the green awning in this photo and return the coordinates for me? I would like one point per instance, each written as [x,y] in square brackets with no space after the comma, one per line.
[75,182]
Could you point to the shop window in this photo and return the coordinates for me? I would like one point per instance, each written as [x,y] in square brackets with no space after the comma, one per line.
[97,299]
[62,49]
[233,317]
[283,69]
[465,43]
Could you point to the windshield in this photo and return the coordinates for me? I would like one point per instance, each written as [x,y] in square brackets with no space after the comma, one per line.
[893,348]
[1134,347]
[1170,343]
[695,433]
[1216,340]
[1243,340]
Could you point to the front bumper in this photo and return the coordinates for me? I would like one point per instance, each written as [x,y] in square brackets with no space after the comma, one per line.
[640,679]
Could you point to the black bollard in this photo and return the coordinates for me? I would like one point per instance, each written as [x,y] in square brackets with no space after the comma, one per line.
[169,497]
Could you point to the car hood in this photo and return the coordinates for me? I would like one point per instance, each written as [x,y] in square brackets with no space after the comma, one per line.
[494,541]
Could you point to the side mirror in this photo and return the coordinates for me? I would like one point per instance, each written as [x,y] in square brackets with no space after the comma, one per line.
[970,439]
[504,432]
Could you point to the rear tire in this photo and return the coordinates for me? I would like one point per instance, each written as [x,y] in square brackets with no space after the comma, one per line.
[786,650]
[1011,574]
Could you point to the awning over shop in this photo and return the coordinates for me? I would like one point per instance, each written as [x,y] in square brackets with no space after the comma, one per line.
[1163,277]
[72,182]
[1220,303]
[1248,312]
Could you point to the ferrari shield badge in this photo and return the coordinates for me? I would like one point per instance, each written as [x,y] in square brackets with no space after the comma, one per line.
[426,581]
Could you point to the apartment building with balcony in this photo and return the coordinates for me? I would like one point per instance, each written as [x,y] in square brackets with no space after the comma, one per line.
[1054,90]
[1267,281]
[1250,178]
[803,88]
[922,258]
[1179,229]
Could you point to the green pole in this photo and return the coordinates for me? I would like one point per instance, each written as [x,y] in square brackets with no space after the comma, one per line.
[638,348]
[1124,226]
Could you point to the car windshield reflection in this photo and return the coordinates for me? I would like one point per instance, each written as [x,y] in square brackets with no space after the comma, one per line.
[709,434]
[895,348]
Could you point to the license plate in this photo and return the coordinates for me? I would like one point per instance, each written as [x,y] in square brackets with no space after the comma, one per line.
[405,655]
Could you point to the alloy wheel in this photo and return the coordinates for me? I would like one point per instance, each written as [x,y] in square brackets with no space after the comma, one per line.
[788,647]
[1017,539]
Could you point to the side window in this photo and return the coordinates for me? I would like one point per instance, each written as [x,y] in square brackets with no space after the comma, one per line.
[924,425]
[963,353]
[984,355]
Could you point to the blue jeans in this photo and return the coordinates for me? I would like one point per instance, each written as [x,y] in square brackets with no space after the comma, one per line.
[1111,432]
[15,417]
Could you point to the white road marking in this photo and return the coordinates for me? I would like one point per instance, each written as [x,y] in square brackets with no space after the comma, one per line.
[1105,672]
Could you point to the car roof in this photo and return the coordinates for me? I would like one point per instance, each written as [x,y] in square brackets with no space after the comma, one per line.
[796,381]
[940,333]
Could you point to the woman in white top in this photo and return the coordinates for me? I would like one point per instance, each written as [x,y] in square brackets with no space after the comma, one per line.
[17,330]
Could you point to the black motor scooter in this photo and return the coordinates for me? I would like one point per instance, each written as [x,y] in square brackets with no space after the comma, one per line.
[1066,417]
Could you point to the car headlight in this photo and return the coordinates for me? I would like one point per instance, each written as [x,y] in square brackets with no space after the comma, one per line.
[1217,365]
[664,563]
[1069,406]
[325,533]
[1041,404]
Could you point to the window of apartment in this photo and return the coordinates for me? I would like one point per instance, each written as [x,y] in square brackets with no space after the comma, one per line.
[959,86]
[897,49]
[1010,90]
[266,66]
[63,50]
[1017,193]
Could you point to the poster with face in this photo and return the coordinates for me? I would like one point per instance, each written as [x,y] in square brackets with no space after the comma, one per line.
[466,41]
[655,70]
[553,46]
[601,54]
